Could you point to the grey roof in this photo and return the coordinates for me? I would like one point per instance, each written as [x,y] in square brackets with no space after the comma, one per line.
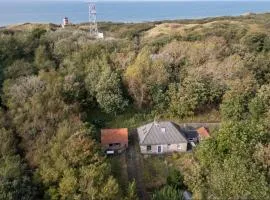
[189,131]
[161,133]
[191,134]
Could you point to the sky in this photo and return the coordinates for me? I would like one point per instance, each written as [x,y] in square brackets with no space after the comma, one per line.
[120,0]
[125,0]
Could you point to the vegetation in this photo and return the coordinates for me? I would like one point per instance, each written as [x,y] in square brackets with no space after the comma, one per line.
[59,87]
[173,188]
[167,193]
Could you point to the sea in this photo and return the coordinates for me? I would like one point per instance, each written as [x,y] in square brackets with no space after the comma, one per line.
[16,12]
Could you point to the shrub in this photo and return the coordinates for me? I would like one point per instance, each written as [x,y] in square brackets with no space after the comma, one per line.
[168,193]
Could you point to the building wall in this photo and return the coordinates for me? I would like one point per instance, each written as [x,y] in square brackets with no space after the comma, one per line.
[122,145]
[165,148]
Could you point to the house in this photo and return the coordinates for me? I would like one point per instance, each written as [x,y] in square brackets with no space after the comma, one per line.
[203,133]
[114,140]
[161,137]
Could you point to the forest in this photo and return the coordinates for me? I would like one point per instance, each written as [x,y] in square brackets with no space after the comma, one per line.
[59,87]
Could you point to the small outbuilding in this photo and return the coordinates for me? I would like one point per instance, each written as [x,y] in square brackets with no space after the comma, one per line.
[203,133]
[114,140]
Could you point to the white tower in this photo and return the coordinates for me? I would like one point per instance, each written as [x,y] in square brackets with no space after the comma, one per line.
[93,21]
[65,22]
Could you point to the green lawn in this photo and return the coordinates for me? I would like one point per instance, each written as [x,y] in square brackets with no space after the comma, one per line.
[130,119]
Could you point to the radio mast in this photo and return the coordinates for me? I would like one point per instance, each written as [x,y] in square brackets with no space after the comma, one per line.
[93,19]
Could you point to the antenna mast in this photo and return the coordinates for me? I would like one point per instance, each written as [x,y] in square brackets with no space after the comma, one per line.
[93,19]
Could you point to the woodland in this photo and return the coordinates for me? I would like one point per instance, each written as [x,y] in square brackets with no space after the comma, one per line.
[59,87]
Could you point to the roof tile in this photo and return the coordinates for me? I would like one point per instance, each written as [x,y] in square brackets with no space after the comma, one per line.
[109,136]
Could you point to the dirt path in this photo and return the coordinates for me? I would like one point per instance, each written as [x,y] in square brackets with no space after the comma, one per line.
[134,167]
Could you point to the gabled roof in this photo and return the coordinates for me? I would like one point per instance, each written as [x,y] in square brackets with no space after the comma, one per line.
[203,132]
[160,133]
[110,136]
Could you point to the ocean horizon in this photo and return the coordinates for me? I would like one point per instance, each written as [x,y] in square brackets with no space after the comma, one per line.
[121,11]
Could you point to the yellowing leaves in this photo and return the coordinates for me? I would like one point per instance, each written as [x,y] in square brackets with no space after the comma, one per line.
[144,74]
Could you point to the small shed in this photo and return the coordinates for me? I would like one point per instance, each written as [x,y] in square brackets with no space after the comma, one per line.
[114,140]
[203,133]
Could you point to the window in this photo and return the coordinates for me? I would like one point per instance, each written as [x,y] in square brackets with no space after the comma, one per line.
[148,148]
[159,149]
[179,147]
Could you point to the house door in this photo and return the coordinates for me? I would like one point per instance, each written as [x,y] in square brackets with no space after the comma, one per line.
[159,149]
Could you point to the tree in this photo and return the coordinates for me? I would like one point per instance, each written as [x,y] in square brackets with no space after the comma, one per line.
[43,58]
[15,183]
[194,95]
[37,107]
[259,65]
[227,163]
[109,94]
[73,167]
[260,104]
[235,101]
[105,85]
[19,68]
[142,76]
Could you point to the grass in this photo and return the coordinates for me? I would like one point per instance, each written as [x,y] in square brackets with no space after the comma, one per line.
[130,119]
[213,116]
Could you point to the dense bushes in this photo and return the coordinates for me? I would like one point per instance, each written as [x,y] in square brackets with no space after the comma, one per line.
[168,193]
[72,163]
[257,42]
[227,161]
[174,188]
[54,83]
[15,180]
